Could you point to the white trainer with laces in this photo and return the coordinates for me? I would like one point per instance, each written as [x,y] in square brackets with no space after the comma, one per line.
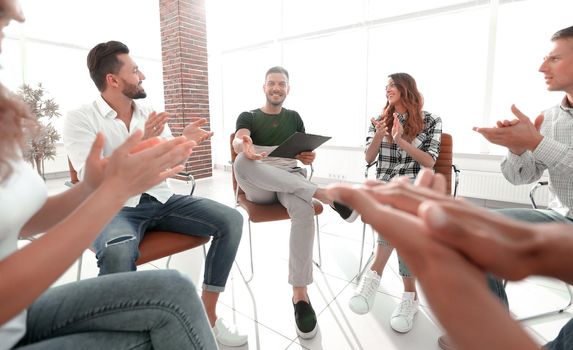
[365,294]
[402,318]
[228,335]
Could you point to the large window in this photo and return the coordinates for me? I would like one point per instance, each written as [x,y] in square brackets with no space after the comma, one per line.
[471,59]
[522,40]
[52,45]
[329,97]
[451,80]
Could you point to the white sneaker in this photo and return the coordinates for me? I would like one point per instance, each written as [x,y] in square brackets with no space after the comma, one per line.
[365,294]
[402,318]
[228,335]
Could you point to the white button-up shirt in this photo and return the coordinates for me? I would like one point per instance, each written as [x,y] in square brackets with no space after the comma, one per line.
[82,125]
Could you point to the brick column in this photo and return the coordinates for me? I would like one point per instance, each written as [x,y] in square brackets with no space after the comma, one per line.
[185,80]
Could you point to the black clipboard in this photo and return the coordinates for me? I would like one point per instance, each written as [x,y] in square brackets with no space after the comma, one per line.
[298,142]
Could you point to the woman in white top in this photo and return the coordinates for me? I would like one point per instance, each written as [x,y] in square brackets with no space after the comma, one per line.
[143,310]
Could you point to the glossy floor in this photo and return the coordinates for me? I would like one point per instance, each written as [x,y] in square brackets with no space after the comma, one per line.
[263,307]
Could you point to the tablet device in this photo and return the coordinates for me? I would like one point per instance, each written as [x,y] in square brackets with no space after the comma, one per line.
[298,142]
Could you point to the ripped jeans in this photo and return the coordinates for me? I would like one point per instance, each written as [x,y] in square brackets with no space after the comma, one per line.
[117,245]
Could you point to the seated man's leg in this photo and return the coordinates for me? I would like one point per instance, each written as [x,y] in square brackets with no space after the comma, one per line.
[301,244]
[528,215]
[198,216]
[534,215]
[117,246]
[254,176]
[301,238]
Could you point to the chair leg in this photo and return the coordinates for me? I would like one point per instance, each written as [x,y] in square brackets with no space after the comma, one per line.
[319,264]
[80,260]
[250,254]
[361,249]
[361,268]
[555,311]
[169,259]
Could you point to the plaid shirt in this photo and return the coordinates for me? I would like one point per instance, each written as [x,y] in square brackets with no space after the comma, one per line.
[394,161]
[554,153]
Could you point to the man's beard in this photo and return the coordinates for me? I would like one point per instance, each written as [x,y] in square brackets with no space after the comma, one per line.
[132,91]
[274,103]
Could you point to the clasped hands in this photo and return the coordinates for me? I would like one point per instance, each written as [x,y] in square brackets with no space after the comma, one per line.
[429,227]
[136,165]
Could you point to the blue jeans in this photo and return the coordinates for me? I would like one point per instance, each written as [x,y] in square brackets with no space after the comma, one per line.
[117,245]
[564,340]
[144,310]
[403,269]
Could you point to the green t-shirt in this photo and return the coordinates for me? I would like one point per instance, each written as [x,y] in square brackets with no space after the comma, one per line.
[270,129]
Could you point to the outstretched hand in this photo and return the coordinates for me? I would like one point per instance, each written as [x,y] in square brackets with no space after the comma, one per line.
[194,132]
[249,149]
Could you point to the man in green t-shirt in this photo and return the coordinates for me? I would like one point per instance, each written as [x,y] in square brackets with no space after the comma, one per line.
[268,180]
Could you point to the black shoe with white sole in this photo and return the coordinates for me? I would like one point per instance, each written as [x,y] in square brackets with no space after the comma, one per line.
[305,318]
[345,212]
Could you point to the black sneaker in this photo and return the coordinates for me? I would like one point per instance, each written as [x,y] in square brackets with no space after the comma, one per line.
[345,212]
[305,319]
